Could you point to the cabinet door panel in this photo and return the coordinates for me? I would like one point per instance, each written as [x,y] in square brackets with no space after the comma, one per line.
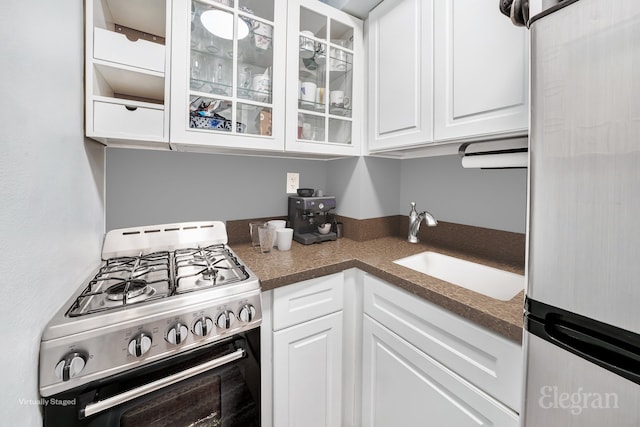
[403,386]
[307,373]
[400,64]
[483,358]
[227,87]
[325,58]
[481,76]
[397,96]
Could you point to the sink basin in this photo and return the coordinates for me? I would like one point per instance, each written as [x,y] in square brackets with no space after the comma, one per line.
[489,281]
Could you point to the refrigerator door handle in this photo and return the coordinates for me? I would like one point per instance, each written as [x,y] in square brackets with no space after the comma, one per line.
[610,347]
[619,357]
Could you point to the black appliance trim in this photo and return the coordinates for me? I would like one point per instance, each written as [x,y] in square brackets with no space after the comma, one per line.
[610,347]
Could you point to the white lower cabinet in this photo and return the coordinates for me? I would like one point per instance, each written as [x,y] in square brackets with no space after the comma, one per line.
[305,323]
[349,349]
[307,372]
[421,362]
[404,386]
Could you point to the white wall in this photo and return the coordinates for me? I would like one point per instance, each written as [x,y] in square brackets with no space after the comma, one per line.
[51,187]
[494,199]
[156,187]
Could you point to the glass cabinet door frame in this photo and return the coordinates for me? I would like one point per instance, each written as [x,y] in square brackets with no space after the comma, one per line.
[183,137]
[295,142]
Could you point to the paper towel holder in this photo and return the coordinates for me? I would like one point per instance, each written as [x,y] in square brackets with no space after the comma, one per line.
[499,155]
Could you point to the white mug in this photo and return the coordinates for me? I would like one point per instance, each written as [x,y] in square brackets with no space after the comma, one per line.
[276,224]
[337,99]
[308,93]
[284,237]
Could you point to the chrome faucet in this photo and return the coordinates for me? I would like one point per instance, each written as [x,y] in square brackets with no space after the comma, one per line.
[415,219]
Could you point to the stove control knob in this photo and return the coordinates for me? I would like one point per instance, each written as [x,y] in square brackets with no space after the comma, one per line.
[139,345]
[177,333]
[225,319]
[321,205]
[203,326]
[70,366]
[247,313]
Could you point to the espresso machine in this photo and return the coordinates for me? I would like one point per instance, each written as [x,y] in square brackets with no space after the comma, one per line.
[307,213]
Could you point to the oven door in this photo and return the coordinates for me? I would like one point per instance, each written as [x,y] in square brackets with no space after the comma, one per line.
[218,385]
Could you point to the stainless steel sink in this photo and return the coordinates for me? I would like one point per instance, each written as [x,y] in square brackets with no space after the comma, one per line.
[489,281]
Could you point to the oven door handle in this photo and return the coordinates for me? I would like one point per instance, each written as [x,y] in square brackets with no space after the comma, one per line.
[103,405]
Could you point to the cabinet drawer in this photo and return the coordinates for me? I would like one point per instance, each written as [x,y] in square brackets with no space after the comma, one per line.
[307,300]
[487,360]
[116,47]
[135,122]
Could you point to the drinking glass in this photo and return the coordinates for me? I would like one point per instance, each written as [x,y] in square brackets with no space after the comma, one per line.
[266,234]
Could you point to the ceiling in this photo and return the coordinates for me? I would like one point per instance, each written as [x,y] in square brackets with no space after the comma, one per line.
[359,8]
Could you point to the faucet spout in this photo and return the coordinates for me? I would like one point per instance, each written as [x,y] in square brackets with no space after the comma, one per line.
[415,219]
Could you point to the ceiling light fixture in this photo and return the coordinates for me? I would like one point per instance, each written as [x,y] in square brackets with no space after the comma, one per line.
[220,24]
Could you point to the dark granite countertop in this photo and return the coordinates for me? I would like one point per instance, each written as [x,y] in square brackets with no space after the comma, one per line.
[376,257]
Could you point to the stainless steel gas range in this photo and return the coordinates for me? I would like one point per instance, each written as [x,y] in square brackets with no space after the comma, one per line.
[171,310]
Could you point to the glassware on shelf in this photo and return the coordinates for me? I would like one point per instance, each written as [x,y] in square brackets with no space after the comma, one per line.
[261,87]
[198,71]
[224,40]
[339,131]
[340,60]
[307,45]
[245,77]
[311,127]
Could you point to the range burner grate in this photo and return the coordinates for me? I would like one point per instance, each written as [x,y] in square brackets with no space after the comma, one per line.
[125,281]
[200,268]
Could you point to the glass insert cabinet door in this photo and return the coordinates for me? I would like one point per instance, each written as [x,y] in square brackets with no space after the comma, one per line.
[325,50]
[230,68]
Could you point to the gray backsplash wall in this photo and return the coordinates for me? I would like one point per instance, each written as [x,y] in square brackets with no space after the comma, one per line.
[152,187]
[494,199]
[147,187]
[365,187]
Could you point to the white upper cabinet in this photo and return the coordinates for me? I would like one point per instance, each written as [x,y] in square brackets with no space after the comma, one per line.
[481,74]
[127,72]
[445,71]
[325,99]
[225,76]
[228,75]
[400,74]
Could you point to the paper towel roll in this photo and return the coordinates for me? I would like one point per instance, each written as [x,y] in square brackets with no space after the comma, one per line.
[504,160]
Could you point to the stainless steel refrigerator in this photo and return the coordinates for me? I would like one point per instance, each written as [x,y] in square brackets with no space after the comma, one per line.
[582,339]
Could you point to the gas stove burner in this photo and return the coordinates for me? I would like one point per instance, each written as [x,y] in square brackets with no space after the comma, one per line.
[132,289]
[209,277]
